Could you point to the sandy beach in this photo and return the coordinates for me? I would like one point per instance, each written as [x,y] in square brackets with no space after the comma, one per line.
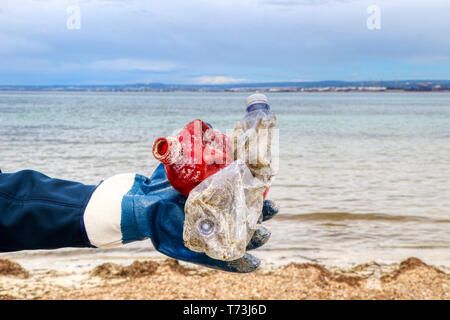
[168,279]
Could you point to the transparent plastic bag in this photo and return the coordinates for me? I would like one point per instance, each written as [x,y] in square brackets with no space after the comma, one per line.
[222,212]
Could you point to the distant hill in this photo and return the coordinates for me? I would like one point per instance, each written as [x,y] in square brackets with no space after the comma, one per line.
[331,85]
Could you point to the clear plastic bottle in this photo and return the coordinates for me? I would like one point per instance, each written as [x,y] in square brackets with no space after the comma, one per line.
[252,138]
[222,212]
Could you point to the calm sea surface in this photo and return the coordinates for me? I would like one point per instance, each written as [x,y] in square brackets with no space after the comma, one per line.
[362,177]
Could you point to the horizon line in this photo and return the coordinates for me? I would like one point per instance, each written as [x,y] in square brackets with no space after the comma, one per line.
[281,82]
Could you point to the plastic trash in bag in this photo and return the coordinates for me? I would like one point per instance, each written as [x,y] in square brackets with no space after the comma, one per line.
[222,212]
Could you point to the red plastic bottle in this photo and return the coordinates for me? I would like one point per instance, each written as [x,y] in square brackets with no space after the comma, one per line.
[192,155]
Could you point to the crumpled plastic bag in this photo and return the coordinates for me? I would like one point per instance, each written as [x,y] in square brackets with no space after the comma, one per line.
[222,212]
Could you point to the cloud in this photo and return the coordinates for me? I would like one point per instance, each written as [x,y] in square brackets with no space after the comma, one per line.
[132,65]
[218,80]
[293,2]
[220,41]
[13,44]
[288,3]
[429,59]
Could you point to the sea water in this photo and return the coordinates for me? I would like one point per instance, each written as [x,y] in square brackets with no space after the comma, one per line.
[362,176]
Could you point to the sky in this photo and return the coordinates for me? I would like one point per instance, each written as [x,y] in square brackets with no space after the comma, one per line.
[46,42]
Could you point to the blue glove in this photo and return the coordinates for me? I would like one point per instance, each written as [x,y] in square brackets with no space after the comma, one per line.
[153,209]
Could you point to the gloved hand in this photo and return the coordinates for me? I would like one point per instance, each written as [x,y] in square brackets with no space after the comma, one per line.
[127,208]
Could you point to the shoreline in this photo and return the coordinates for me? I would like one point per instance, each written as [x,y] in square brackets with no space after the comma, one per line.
[226,91]
[168,279]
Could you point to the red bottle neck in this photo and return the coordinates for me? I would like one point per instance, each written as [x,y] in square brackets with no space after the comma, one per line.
[167,150]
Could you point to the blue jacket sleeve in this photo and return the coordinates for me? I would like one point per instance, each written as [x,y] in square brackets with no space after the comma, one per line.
[38,212]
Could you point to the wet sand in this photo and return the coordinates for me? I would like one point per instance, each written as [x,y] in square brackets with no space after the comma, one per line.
[167,279]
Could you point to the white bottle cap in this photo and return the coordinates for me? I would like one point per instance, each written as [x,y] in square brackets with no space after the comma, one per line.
[257,98]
